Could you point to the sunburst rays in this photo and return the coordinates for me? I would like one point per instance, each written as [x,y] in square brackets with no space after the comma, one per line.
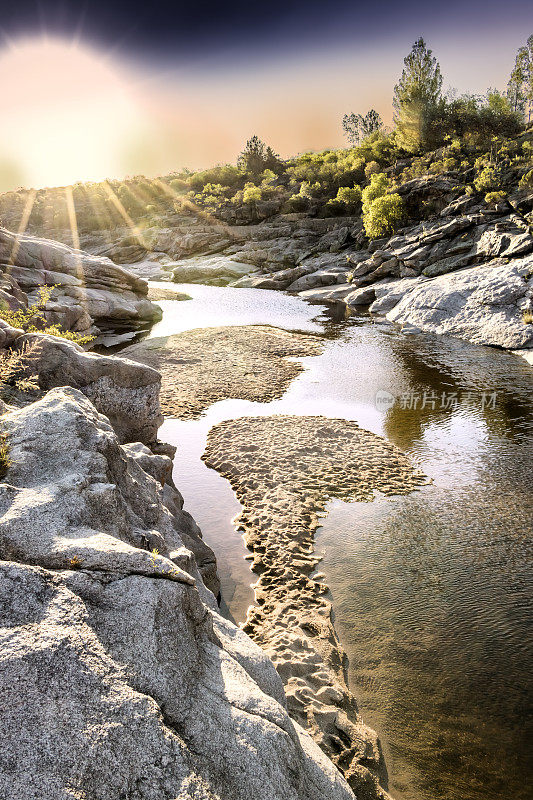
[23,224]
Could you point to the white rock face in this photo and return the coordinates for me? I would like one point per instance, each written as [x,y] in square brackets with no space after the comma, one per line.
[483,304]
[90,292]
[118,677]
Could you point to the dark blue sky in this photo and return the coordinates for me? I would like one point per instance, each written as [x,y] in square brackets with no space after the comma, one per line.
[169,30]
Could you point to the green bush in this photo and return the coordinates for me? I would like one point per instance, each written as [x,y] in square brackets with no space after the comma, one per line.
[349,196]
[296,203]
[526,181]
[384,215]
[179,185]
[488,179]
[5,457]
[251,193]
[32,319]
[224,174]
[493,198]
[376,188]
[371,168]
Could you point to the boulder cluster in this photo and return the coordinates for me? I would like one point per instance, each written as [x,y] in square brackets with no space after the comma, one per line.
[118,676]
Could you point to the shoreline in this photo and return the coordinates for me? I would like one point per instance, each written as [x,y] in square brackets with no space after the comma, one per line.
[309,657]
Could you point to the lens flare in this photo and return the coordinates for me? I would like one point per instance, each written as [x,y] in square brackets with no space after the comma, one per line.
[71,113]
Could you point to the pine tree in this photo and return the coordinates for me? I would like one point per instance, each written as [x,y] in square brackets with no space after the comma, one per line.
[253,157]
[417,95]
[520,86]
[357,128]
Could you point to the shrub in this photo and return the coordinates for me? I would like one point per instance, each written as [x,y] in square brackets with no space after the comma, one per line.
[224,174]
[371,168]
[32,319]
[349,196]
[376,188]
[334,208]
[296,203]
[14,367]
[251,193]
[383,216]
[179,185]
[526,181]
[5,458]
[488,179]
[493,198]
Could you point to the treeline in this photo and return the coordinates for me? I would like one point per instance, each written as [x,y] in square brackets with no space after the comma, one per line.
[479,141]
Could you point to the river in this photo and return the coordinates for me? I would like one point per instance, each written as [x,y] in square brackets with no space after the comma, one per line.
[432,591]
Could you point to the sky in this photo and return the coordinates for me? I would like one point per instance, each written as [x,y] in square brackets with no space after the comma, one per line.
[94,89]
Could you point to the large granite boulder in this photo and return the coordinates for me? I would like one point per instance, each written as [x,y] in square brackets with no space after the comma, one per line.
[125,391]
[483,304]
[211,270]
[89,292]
[118,677]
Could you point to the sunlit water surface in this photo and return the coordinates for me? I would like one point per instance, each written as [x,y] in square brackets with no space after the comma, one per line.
[432,591]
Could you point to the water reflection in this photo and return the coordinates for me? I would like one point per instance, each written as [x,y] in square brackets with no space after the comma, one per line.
[432,591]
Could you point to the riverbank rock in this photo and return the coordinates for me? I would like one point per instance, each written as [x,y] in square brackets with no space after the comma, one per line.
[118,676]
[484,305]
[90,293]
[125,391]
[209,270]
[284,470]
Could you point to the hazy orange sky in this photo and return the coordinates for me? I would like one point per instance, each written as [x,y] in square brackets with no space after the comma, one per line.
[71,111]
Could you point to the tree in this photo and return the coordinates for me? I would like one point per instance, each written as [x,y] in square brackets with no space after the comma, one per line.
[417,95]
[520,86]
[256,157]
[357,128]
[272,160]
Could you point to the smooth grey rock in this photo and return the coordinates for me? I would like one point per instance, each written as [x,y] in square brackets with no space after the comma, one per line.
[125,391]
[389,294]
[212,270]
[327,294]
[361,297]
[482,304]
[87,290]
[8,334]
[445,265]
[118,677]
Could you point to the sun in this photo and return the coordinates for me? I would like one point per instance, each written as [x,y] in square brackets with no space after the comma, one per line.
[68,114]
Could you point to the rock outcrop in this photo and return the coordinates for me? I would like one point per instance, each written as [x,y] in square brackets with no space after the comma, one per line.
[125,391]
[485,304]
[90,293]
[118,676]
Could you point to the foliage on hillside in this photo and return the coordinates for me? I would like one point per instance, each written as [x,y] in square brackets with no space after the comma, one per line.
[480,142]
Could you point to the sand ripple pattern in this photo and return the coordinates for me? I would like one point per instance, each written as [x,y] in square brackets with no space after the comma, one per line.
[202,366]
[283,470]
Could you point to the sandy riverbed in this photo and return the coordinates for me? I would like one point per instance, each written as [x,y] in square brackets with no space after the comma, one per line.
[283,470]
[202,366]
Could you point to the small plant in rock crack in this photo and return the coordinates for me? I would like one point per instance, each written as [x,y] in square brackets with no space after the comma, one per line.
[75,562]
[14,366]
[5,458]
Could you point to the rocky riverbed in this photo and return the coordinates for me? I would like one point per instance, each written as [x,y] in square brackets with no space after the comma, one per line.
[124,534]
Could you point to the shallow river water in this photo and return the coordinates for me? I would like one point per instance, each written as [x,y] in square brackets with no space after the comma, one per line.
[432,591]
